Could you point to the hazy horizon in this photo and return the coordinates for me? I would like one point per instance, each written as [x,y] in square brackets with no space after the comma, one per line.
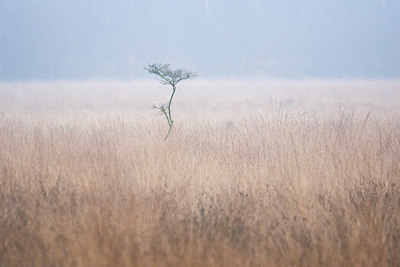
[97,40]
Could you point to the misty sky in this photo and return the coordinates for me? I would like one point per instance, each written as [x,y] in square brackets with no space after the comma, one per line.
[104,39]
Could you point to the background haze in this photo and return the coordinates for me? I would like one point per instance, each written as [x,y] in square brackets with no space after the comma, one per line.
[99,39]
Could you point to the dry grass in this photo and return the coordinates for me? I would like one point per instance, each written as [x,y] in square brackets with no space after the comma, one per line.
[276,187]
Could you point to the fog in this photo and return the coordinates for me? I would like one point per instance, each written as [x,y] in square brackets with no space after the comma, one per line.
[113,40]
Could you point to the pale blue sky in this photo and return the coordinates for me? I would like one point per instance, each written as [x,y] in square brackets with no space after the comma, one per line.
[104,39]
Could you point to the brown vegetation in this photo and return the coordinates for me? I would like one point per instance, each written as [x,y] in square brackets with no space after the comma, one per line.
[278,188]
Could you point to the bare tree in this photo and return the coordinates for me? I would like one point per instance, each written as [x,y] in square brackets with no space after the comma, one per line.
[166,76]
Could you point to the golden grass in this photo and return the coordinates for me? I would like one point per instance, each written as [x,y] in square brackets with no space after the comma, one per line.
[278,187]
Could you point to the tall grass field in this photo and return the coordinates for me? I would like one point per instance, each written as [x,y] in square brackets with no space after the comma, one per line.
[255,173]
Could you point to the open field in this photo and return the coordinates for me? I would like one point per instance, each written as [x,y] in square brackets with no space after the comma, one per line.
[274,173]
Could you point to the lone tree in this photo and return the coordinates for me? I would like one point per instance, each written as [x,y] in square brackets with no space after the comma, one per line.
[166,76]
